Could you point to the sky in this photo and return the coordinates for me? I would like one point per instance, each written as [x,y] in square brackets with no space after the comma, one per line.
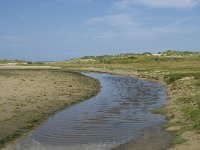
[51,30]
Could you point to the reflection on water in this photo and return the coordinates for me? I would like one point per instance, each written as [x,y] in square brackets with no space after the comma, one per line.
[118,113]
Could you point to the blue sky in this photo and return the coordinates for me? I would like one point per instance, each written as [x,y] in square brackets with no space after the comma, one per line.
[39,30]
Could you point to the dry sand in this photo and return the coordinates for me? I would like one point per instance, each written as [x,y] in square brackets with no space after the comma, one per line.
[27,97]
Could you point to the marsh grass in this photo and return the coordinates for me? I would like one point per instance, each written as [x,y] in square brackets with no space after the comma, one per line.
[169,79]
[191,109]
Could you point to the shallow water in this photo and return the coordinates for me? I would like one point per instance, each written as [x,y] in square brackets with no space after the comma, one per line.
[120,112]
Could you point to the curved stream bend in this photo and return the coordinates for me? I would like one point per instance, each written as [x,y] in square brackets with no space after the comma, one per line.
[120,112]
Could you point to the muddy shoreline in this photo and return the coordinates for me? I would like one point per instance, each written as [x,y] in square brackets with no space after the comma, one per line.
[151,139]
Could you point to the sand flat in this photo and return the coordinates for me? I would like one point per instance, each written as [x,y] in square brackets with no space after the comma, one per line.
[29,96]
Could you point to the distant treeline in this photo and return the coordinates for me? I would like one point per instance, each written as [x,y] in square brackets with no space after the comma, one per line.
[165,53]
[21,62]
[144,57]
[179,53]
[5,61]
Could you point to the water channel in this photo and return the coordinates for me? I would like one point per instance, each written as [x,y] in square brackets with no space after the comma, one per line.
[119,112]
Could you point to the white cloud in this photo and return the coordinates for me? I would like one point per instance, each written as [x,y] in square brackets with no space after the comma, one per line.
[178,4]
[118,20]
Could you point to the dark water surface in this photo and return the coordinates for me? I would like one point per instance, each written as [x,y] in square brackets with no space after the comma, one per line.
[120,112]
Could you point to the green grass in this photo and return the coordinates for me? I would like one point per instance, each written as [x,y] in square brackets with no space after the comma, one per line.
[191,109]
[169,79]
[178,139]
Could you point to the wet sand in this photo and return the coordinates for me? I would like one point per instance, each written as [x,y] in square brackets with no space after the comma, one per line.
[27,97]
[152,139]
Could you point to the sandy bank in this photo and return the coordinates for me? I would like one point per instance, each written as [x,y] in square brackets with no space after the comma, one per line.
[27,97]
